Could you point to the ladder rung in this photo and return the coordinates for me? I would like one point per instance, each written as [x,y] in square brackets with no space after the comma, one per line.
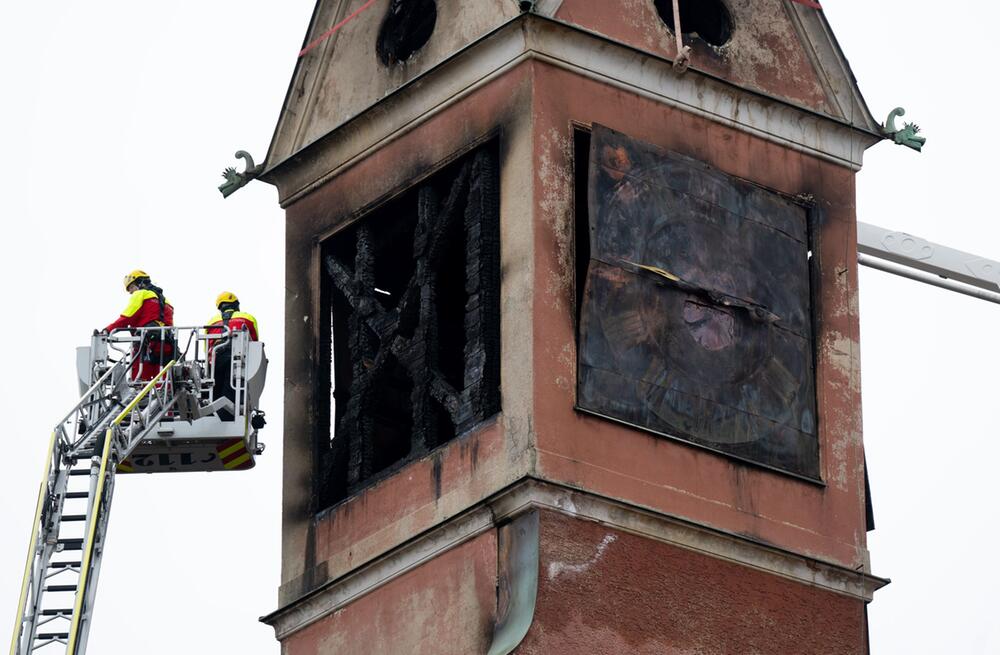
[53,635]
[74,517]
[85,471]
[61,587]
[71,544]
[56,612]
[77,494]
[65,565]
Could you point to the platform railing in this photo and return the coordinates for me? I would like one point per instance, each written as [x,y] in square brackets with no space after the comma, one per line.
[194,346]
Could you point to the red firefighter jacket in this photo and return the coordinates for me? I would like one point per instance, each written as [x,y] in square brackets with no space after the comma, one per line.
[143,310]
[238,321]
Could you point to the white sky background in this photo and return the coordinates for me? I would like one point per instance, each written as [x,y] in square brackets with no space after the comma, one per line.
[117,118]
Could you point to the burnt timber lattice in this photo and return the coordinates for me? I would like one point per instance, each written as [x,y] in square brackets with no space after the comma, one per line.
[420,362]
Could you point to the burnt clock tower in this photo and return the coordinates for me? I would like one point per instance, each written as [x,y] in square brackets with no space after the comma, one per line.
[571,330]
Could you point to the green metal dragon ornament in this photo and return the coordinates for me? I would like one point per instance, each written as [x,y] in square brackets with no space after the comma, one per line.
[906,136]
[234,180]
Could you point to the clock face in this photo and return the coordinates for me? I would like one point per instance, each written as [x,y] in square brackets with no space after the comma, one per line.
[695,319]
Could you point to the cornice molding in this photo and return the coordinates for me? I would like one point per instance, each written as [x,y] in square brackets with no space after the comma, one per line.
[535,38]
[532,495]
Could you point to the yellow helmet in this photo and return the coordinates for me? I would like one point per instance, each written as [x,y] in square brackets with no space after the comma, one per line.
[135,276]
[225,297]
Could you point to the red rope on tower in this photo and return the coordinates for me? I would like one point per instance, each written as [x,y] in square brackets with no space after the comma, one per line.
[330,32]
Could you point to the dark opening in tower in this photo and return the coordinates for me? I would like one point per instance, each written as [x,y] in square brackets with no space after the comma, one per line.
[413,295]
[407,27]
[708,20]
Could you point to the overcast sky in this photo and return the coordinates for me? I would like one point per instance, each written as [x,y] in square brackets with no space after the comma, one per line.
[118,118]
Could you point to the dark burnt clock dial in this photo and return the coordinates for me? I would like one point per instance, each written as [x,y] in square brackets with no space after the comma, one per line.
[695,319]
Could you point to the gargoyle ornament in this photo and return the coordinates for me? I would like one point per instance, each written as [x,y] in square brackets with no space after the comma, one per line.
[236,180]
[906,136]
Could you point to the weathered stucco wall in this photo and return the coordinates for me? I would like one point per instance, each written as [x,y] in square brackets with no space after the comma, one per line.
[564,580]
[445,607]
[826,522]
[765,52]
[531,102]
[606,592]
[321,547]
[341,77]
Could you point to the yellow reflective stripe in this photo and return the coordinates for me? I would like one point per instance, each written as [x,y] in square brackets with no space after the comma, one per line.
[232,449]
[137,298]
[42,495]
[239,460]
[251,318]
[135,301]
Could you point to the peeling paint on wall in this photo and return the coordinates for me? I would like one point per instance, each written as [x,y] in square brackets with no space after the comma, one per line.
[559,568]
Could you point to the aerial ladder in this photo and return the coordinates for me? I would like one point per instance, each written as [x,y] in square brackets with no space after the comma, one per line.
[199,412]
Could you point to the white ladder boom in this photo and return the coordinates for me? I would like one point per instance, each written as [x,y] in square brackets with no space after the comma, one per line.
[115,418]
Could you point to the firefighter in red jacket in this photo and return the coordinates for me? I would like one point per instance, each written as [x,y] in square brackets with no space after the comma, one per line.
[230,315]
[219,351]
[147,308]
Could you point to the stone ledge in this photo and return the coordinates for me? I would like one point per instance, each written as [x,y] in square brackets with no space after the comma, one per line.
[530,494]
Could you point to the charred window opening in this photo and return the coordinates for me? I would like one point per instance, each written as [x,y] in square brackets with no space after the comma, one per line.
[695,304]
[408,25]
[708,20]
[413,292]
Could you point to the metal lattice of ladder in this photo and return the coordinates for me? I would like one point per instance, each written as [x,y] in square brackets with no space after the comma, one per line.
[115,418]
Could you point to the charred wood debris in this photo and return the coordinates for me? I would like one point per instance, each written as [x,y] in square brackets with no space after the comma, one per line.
[423,362]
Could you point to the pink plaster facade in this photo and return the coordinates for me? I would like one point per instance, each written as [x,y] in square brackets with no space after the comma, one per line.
[640,594]
[604,592]
[445,607]
[823,521]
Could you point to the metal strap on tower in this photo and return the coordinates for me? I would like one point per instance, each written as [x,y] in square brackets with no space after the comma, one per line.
[918,259]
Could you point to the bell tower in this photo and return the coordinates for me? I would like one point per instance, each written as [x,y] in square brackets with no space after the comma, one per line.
[572,330]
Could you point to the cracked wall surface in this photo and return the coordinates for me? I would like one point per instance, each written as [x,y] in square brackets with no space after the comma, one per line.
[532,107]
[765,51]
